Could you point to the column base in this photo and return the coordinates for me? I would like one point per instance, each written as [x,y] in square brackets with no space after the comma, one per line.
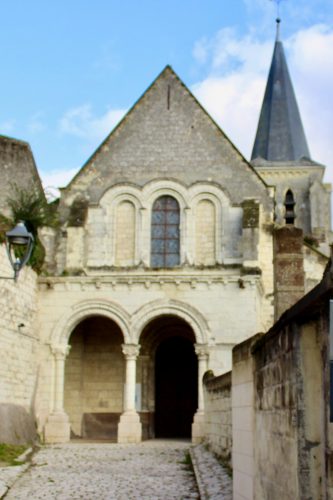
[129,428]
[57,428]
[198,427]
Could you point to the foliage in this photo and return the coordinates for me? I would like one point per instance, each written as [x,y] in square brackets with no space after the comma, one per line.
[311,240]
[187,462]
[5,225]
[29,205]
[10,452]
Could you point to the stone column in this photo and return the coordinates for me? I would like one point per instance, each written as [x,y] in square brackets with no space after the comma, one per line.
[57,427]
[129,427]
[131,352]
[145,382]
[198,430]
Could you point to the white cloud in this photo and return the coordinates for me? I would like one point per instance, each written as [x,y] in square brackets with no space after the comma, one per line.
[90,129]
[234,95]
[227,52]
[81,122]
[311,62]
[233,90]
[53,180]
[234,102]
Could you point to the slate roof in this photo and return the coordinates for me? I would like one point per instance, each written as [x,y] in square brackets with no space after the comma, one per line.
[280,134]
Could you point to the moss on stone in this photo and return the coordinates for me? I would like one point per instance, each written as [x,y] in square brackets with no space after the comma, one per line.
[78,213]
[250,214]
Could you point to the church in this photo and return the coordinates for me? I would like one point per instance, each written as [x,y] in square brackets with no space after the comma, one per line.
[164,260]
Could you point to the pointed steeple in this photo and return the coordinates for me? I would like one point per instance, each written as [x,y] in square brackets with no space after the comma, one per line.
[280,134]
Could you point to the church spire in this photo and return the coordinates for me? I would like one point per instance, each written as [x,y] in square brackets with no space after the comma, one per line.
[280,134]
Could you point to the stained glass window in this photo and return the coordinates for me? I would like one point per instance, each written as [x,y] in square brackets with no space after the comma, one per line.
[165,232]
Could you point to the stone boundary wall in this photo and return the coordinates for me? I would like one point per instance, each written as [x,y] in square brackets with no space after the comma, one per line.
[243,419]
[217,397]
[19,347]
[277,401]
[281,432]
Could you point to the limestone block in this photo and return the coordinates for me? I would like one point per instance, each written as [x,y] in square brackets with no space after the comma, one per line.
[129,428]
[57,428]
[198,427]
[75,248]
[243,488]
[17,425]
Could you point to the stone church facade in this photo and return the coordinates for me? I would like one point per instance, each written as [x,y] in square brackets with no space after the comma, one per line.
[163,262]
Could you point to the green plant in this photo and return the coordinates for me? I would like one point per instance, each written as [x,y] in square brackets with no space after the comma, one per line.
[311,240]
[10,452]
[29,205]
[187,461]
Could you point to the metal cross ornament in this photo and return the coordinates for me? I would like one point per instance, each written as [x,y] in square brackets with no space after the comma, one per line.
[277,2]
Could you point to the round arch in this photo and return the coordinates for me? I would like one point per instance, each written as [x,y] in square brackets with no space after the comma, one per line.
[85,309]
[157,308]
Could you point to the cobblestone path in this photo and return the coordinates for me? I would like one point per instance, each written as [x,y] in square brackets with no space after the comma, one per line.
[152,470]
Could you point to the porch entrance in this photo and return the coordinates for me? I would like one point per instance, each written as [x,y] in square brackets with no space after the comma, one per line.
[94,379]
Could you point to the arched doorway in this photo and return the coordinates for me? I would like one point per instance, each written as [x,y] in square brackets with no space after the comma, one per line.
[94,379]
[170,366]
[175,387]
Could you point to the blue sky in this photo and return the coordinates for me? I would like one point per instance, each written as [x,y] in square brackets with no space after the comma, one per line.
[70,69]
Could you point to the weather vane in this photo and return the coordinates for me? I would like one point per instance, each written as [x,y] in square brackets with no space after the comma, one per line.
[278,20]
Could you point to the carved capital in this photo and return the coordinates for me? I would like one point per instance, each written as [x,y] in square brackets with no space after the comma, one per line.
[60,351]
[131,351]
[201,350]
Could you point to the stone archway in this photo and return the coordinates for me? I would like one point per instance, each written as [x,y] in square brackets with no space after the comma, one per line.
[168,375]
[94,378]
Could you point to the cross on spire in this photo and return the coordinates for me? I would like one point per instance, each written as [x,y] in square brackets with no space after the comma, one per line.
[280,135]
[278,19]
[277,2]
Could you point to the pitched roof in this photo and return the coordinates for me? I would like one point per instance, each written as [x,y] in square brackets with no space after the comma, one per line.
[280,134]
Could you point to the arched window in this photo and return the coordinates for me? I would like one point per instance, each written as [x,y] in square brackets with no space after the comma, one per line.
[125,234]
[205,233]
[289,204]
[165,232]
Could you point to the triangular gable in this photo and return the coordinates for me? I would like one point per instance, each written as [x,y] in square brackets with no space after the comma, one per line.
[167,133]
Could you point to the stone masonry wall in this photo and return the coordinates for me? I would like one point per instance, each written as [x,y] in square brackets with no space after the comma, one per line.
[166,135]
[288,268]
[19,348]
[17,166]
[314,266]
[243,438]
[280,427]
[94,378]
[217,396]
[276,405]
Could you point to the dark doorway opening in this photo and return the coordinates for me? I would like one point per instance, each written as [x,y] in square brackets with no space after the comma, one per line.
[176,393]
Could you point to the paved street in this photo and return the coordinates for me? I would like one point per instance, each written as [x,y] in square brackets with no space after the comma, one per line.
[152,470]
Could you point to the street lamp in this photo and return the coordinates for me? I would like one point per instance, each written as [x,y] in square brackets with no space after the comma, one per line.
[18,239]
